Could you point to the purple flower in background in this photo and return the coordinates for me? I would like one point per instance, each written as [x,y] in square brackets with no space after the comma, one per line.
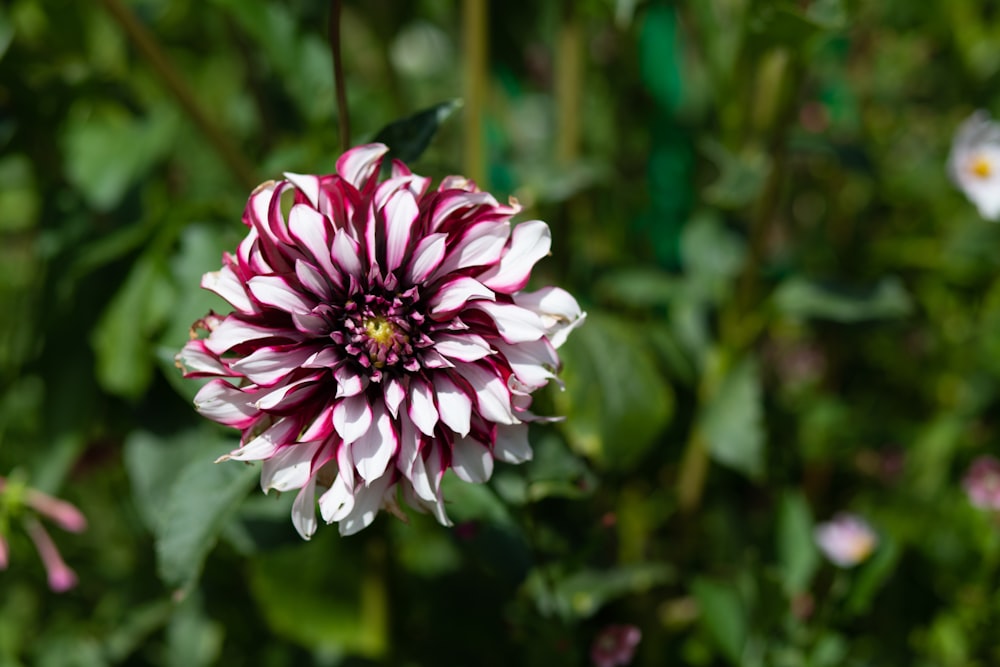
[847,540]
[974,163]
[615,646]
[982,483]
[17,496]
[381,335]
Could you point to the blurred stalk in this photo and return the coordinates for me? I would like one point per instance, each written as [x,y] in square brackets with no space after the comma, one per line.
[343,114]
[694,464]
[160,62]
[568,85]
[375,596]
[474,81]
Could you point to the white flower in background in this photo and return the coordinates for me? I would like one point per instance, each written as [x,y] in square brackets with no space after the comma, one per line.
[974,163]
[846,540]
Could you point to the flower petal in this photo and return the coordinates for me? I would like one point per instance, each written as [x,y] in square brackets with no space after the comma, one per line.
[373,450]
[290,468]
[454,404]
[276,292]
[530,241]
[455,294]
[359,164]
[304,510]
[421,406]
[511,444]
[471,461]
[352,417]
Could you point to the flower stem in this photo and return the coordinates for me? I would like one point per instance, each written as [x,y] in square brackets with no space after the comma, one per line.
[474,74]
[343,115]
[568,85]
[158,60]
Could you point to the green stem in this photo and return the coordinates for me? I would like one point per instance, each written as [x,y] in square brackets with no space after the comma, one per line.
[158,60]
[474,75]
[343,114]
[568,85]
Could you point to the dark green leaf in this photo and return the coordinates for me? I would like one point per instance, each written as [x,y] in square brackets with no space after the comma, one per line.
[409,137]
[203,498]
[733,420]
[797,552]
[616,402]
[806,299]
[724,616]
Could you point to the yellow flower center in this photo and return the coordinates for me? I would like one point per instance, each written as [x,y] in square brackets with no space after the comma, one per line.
[379,330]
[981,167]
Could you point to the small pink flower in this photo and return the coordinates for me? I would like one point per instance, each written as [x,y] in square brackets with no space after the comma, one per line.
[381,334]
[20,498]
[847,540]
[982,483]
[61,577]
[615,646]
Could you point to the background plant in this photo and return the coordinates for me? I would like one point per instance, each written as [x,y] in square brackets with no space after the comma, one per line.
[791,313]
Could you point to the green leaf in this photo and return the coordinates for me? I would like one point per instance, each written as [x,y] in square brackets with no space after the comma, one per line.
[107,150]
[193,639]
[203,498]
[326,595]
[154,464]
[723,615]
[712,255]
[741,176]
[872,574]
[797,552]
[733,420]
[616,402]
[122,337]
[581,594]
[806,299]
[407,138]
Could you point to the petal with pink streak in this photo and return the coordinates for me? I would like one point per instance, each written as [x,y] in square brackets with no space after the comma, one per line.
[514,323]
[471,461]
[482,245]
[427,256]
[367,501]
[400,214]
[265,445]
[394,393]
[492,394]
[530,241]
[352,418]
[314,281]
[275,291]
[454,404]
[359,164]
[196,361]
[463,347]
[455,294]
[304,510]
[421,406]
[290,468]
[268,365]
[234,331]
[307,184]
[337,502]
[227,284]
[347,253]
[373,450]
[310,227]
[559,311]
[349,383]
[222,402]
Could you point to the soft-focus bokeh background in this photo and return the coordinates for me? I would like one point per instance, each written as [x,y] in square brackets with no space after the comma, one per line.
[792,312]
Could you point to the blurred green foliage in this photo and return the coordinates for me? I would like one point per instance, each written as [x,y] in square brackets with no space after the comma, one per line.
[792,313]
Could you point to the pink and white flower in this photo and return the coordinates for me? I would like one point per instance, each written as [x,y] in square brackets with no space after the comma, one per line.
[615,646]
[982,483]
[380,335]
[974,163]
[846,540]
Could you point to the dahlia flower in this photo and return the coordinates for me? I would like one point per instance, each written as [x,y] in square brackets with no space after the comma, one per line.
[846,540]
[982,483]
[380,335]
[974,163]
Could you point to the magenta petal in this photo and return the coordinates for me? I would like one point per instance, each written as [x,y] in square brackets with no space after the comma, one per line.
[421,406]
[427,256]
[454,404]
[358,165]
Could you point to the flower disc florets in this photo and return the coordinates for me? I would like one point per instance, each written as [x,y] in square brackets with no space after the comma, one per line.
[381,335]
